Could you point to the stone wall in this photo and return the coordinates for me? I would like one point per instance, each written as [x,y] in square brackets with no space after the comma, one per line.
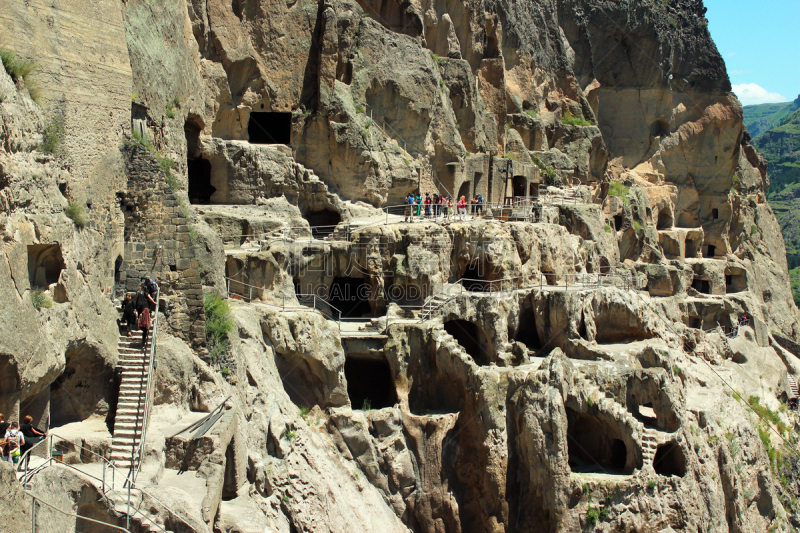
[158,242]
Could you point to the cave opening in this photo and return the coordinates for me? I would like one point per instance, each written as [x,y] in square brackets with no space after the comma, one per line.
[702,286]
[518,184]
[471,337]
[350,296]
[691,248]
[715,213]
[269,128]
[617,222]
[659,128]
[322,222]
[709,251]
[475,279]
[695,322]
[198,171]
[594,446]
[669,460]
[229,488]
[735,280]
[550,277]
[369,383]
[45,264]
[464,191]
[87,387]
[664,220]
[527,333]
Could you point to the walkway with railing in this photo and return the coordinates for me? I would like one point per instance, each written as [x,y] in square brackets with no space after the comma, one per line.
[123,495]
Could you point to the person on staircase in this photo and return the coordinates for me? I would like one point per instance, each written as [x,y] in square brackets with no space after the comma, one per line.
[3,426]
[32,436]
[128,312]
[152,292]
[143,299]
[144,325]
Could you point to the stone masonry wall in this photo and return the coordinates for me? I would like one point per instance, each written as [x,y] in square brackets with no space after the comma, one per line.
[158,242]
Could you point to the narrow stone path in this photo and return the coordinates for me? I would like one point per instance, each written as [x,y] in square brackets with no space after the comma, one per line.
[133,362]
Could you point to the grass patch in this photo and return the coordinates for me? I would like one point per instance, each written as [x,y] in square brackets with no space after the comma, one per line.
[219,324]
[367,405]
[291,435]
[637,226]
[20,70]
[40,299]
[532,113]
[617,188]
[551,178]
[572,120]
[607,228]
[595,514]
[52,137]
[74,212]
[304,412]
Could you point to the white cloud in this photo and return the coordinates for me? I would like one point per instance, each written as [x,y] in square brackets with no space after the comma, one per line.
[751,93]
[732,54]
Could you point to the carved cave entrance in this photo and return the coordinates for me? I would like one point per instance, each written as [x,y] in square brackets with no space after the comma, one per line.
[595,446]
[471,337]
[702,285]
[269,128]
[664,219]
[463,191]
[526,330]
[322,222]
[199,174]
[518,184]
[45,264]
[617,222]
[475,279]
[369,383]
[350,296]
[669,460]
[735,280]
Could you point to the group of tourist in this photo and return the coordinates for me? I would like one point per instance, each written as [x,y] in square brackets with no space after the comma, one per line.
[440,206]
[137,309]
[16,438]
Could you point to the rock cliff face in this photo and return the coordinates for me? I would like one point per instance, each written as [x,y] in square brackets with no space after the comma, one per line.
[607,346]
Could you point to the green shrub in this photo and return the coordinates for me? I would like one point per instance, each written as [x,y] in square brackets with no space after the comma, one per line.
[40,299]
[637,226]
[52,137]
[651,484]
[551,178]
[291,435]
[572,120]
[170,112]
[225,371]
[304,410]
[219,324]
[74,212]
[532,113]
[617,188]
[367,405]
[165,163]
[593,514]
[607,228]
[19,69]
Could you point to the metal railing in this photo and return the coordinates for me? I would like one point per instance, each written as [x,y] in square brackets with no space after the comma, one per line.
[580,281]
[137,452]
[104,485]
[309,301]
[35,499]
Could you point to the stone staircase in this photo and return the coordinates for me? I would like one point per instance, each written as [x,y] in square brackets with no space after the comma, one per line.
[133,362]
[650,441]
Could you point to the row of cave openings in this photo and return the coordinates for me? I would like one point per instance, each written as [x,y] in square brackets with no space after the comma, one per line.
[263,127]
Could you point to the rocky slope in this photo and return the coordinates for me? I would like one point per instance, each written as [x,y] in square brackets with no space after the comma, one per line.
[577,369]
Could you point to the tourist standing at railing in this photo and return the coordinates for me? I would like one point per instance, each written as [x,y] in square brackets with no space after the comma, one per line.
[409,201]
[446,204]
[479,206]
[32,436]
[13,444]
[427,205]
[128,313]
[462,207]
[473,206]
[418,201]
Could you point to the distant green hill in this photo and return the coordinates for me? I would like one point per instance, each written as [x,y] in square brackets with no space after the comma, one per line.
[780,144]
[763,117]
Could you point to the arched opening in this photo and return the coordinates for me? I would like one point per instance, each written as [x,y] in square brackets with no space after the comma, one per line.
[350,296]
[199,174]
[669,460]
[369,383]
[702,285]
[595,446]
[664,219]
[322,222]
[659,128]
[464,191]
[618,222]
[491,50]
[269,128]
[86,388]
[471,337]
[45,264]
[527,332]
[475,277]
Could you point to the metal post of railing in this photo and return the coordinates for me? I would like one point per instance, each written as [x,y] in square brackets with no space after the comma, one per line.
[229,288]
[104,477]
[33,514]
[128,514]
[251,294]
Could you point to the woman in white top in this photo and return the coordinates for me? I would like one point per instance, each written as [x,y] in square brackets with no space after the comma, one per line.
[14,441]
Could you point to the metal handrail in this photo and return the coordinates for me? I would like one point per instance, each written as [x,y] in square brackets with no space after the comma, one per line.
[327,310]
[106,463]
[35,499]
[139,450]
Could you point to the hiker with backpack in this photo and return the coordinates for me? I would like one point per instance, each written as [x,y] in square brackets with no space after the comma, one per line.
[152,292]
[13,443]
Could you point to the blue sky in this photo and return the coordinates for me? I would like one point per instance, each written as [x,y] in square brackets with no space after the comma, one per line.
[760,42]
